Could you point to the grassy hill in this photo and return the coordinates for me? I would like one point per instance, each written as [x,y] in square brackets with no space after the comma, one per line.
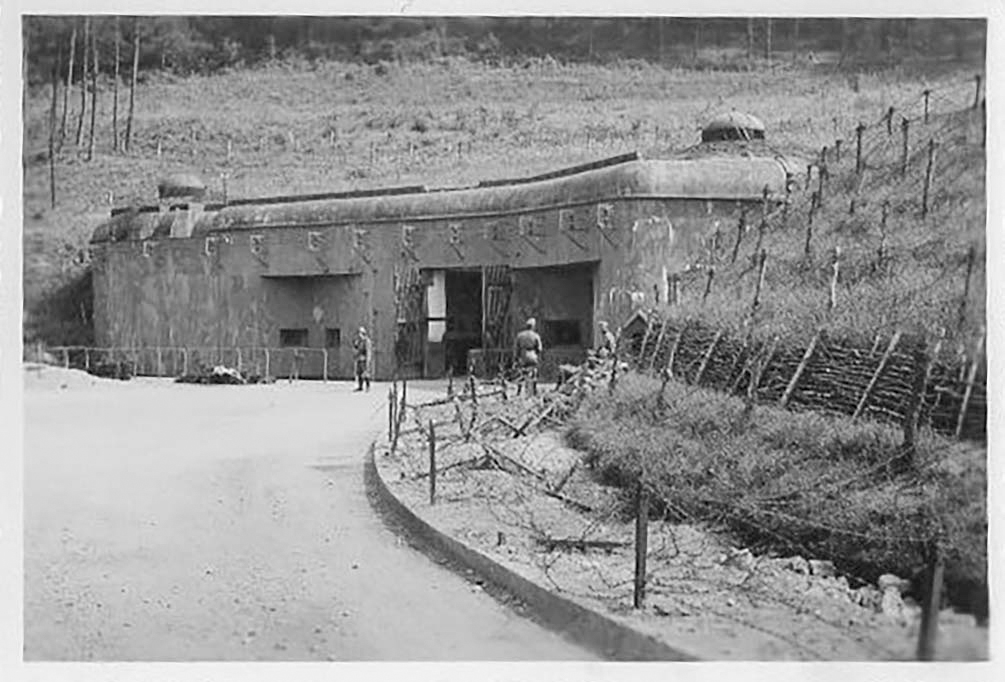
[294,127]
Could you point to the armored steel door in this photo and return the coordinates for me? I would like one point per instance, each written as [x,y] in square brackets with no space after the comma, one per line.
[497,281]
[410,306]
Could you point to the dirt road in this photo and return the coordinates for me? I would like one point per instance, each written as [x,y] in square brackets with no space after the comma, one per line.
[168,522]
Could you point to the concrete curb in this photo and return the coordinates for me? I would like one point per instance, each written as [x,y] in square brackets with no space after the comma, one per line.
[588,628]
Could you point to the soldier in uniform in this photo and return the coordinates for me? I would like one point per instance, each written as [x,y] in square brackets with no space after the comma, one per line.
[363,353]
[608,343]
[528,349]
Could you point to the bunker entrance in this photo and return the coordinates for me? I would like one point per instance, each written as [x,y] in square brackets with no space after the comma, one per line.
[463,329]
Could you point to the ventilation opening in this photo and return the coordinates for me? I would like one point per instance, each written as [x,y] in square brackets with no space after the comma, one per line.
[292,338]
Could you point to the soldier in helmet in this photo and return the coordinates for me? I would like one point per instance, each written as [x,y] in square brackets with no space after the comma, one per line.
[363,352]
[528,349]
[608,342]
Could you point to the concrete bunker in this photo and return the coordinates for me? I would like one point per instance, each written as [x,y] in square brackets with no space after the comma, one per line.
[442,278]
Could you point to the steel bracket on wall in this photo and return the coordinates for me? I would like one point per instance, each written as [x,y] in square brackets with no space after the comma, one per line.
[361,244]
[454,239]
[258,249]
[527,228]
[569,227]
[605,222]
[408,242]
[315,240]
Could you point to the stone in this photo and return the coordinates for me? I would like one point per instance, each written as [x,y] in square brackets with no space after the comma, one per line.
[890,581]
[739,558]
[891,605]
[798,564]
[824,569]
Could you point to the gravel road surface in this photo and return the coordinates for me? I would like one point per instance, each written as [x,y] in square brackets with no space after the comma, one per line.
[169,522]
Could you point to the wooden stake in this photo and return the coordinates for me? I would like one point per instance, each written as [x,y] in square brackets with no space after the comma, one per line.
[835,273]
[971,376]
[674,347]
[859,129]
[837,150]
[741,225]
[863,401]
[762,259]
[645,339]
[905,125]
[432,463]
[708,355]
[971,258]
[390,415]
[927,94]
[807,249]
[794,381]
[674,289]
[928,178]
[889,121]
[641,543]
[708,283]
[659,342]
[931,601]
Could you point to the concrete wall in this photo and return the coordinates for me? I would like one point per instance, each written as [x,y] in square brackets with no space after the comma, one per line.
[213,290]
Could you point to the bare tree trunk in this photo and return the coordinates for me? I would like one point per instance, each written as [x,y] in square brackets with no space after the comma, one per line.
[83,82]
[52,130]
[24,70]
[132,83]
[844,40]
[662,51]
[94,93]
[69,84]
[115,90]
[767,39]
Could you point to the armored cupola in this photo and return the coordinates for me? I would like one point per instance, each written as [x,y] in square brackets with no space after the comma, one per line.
[181,186]
[733,125]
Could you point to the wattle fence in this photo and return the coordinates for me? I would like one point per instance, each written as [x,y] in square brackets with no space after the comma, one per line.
[880,382]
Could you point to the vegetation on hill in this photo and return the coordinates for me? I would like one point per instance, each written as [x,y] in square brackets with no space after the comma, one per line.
[206,44]
[809,484]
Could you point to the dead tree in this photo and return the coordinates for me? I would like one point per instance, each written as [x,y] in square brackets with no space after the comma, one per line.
[83,81]
[94,93]
[52,132]
[132,82]
[69,84]
[115,89]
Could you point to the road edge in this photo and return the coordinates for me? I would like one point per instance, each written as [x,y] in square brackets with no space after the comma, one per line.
[586,627]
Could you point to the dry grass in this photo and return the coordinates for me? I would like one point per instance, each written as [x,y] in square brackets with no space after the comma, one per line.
[814,484]
[300,127]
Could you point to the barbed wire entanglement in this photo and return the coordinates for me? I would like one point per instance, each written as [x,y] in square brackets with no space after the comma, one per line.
[868,274]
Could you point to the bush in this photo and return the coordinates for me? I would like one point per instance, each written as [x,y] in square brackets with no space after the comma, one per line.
[795,482]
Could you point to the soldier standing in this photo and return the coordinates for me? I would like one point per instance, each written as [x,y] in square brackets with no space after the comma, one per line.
[362,352]
[608,343]
[528,348]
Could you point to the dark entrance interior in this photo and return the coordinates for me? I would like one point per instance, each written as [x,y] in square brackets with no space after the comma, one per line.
[464,317]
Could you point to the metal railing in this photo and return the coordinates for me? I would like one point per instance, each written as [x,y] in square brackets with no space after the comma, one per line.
[176,361]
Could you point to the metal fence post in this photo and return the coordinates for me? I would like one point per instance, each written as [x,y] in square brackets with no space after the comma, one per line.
[267,363]
[324,370]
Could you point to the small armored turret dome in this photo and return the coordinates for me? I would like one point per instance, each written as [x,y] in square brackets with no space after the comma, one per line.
[733,125]
[180,185]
